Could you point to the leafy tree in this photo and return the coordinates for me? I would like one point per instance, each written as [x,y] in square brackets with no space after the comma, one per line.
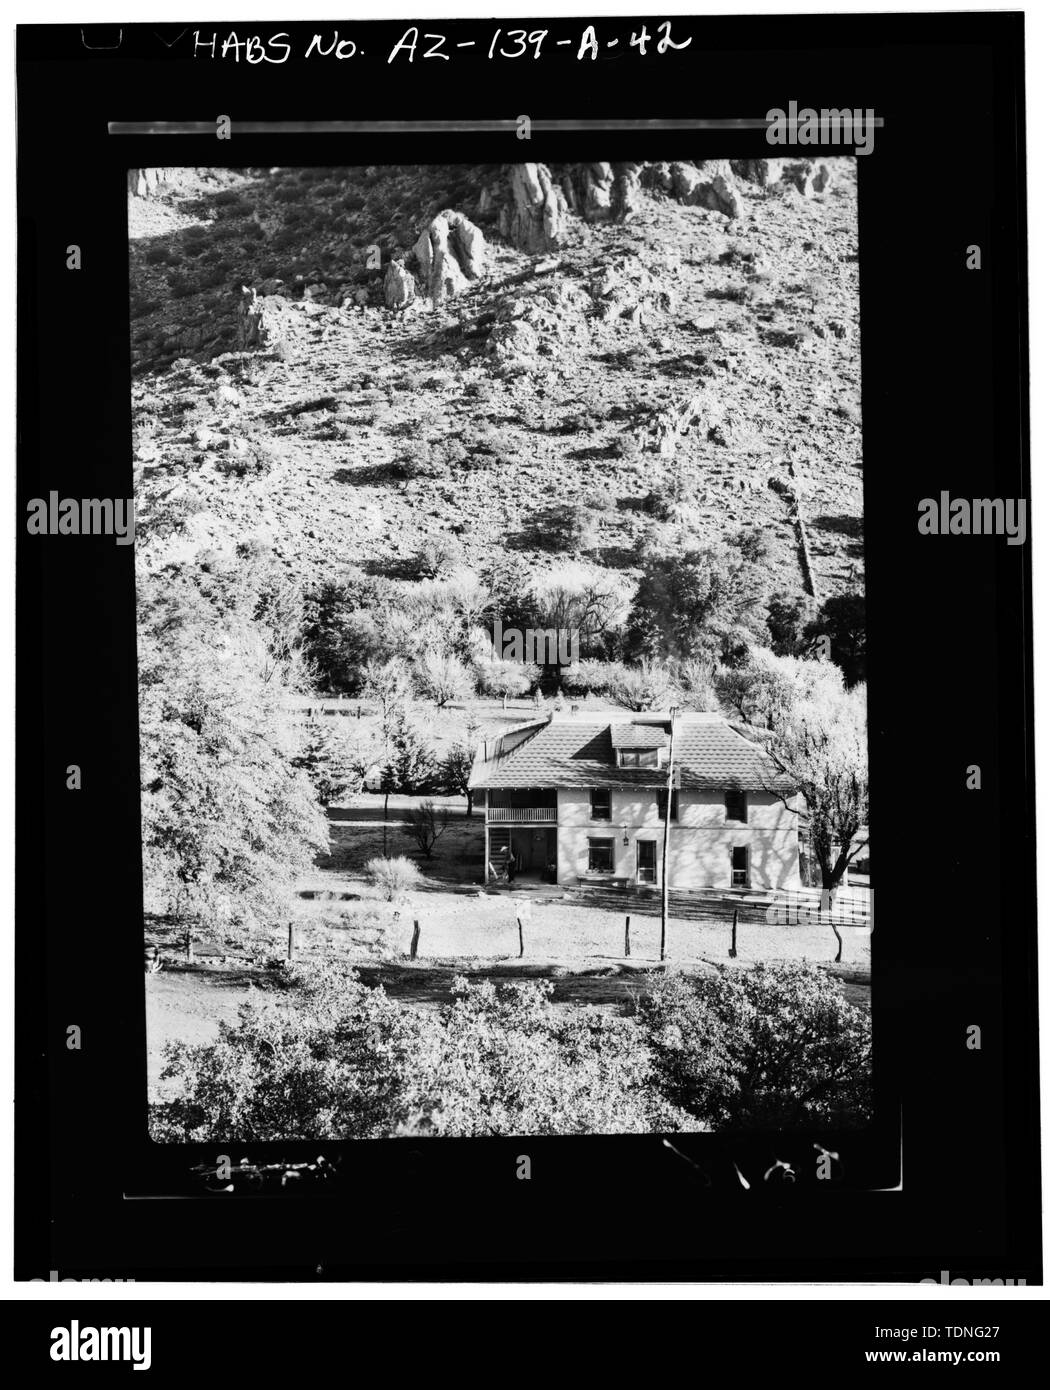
[784,619]
[777,1046]
[335,762]
[455,773]
[410,768]
[506,1061]
[442,677]
[590,677]
[507,678]
[821,746]
[688,603]
[341,633]
[579,598]
[229,818]
[646,686]
[425,824]
[843,622]
[334,1060]
[765,690]
[387,685]
[815,732]
[331,1060]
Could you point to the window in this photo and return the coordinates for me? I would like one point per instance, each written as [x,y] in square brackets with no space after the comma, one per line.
[736,806]
[639,757]
[646,861]
[601,803]
[661,805]
[741,867]
[600,856]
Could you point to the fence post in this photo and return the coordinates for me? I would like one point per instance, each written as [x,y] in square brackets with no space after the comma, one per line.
[521,939]
[189,945]
[415,940]
[732,947]
[291,941]
[627,937]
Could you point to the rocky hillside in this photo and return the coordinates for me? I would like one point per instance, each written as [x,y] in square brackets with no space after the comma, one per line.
[404,367]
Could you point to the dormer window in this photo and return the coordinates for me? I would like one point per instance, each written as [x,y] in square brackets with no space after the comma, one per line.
[640,757]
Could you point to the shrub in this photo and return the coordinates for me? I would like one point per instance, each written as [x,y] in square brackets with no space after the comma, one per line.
[777,1046]
[418,459]
[695,679]
[437,556]
[327,1058]
[255,460]
[393,877]
[181,286]
[571,527]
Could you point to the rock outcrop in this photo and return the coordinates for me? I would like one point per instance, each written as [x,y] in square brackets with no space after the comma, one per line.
[399,286]
[602,192]
[807,175]
[260,321]
[450,253]
[145,183]
[531,208]
[710,184]
[761,171]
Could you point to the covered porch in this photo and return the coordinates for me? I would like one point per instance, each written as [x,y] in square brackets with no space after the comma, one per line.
[521,835]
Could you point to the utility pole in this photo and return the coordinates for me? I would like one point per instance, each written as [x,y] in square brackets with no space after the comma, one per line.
[667,838]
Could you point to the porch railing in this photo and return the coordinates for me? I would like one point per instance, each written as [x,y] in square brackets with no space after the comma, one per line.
[521,815]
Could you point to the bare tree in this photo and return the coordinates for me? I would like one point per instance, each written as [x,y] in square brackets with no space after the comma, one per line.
[821,747]
[426,824]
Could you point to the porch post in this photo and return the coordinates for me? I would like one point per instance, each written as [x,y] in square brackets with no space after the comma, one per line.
[486,841]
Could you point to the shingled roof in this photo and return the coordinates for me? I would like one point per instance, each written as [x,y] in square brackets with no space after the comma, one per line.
[641,736]
[577,750]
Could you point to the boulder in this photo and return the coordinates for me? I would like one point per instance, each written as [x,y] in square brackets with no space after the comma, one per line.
[761,171]
[399,286]
[710,184]
[808,176]
[450,253]
[532,208]
[260,321]
[602,192]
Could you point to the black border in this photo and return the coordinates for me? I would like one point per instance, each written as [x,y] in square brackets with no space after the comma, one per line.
[945,406]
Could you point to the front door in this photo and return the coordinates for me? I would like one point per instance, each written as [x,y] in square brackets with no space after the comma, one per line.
[646,861]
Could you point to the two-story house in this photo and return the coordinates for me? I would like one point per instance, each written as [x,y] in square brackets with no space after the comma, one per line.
[581,796]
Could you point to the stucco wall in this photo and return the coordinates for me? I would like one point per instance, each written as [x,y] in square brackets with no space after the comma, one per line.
[701,845]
